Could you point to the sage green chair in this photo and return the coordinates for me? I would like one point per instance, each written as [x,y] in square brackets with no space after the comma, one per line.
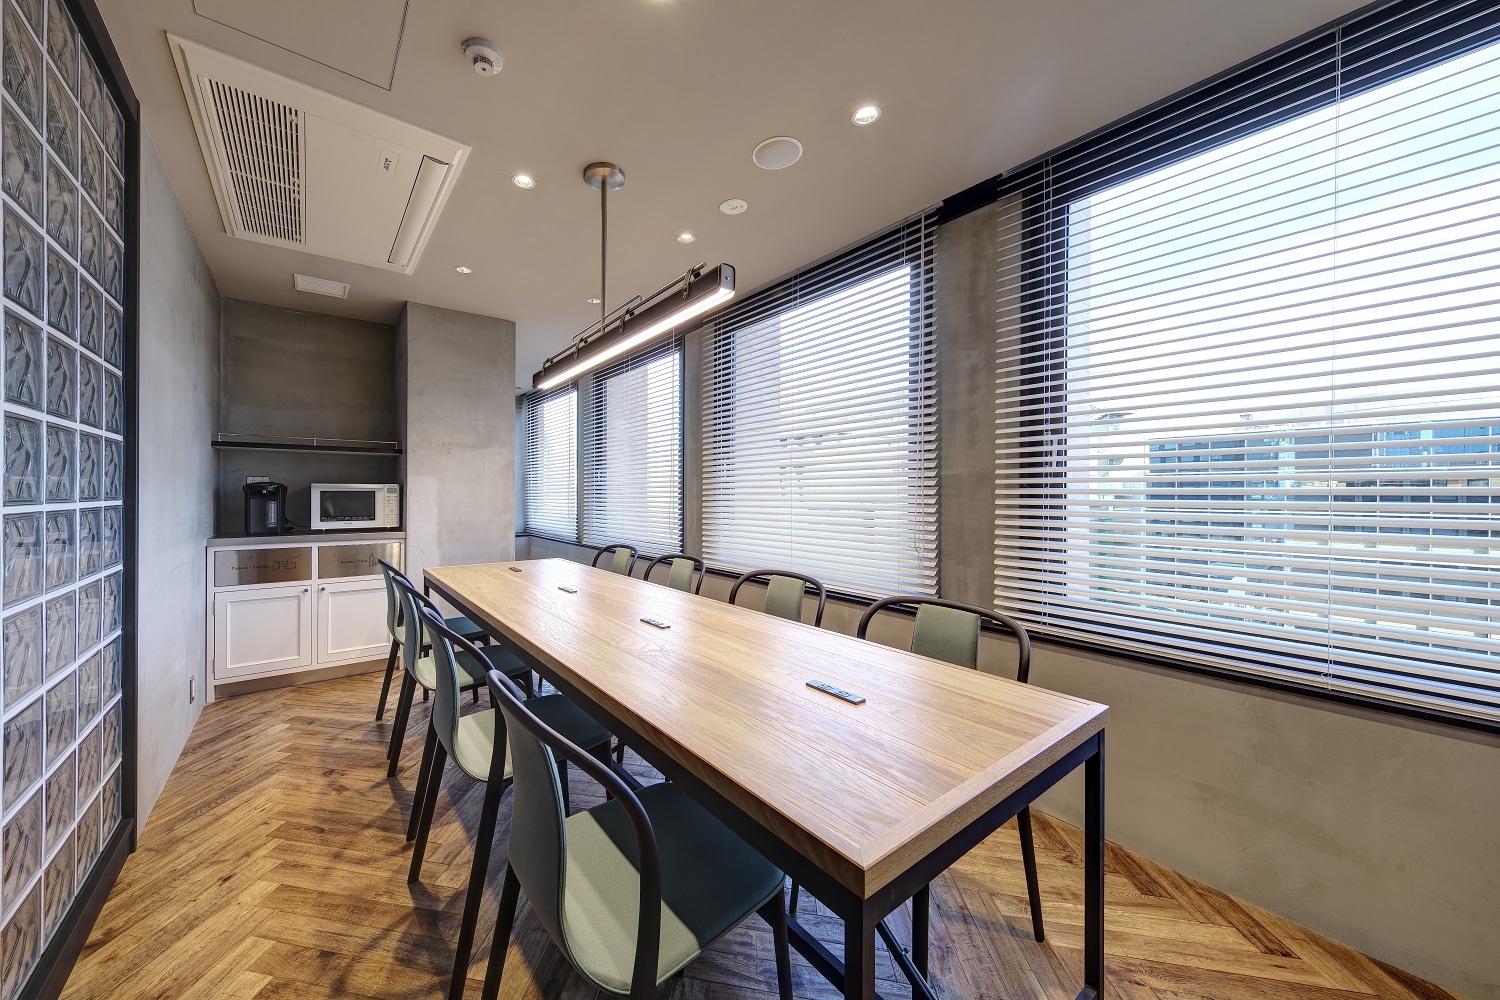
[630,891]
[784,592]
[420,671]
[949,630]
[622,561]
[393,625]
[469,739]
[681,568]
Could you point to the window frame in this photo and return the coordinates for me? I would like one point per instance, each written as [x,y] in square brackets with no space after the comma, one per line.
[1307,73]
[539,399]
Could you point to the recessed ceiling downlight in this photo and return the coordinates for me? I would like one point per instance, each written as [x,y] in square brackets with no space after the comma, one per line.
[686,238]
[777,153]
[866,115]
[464,270]
[523,181]
[733,206]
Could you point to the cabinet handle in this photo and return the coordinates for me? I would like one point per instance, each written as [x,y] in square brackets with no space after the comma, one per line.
[306,589]
[322,589]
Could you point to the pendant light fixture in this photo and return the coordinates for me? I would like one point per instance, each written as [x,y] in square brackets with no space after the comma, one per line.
[639,320]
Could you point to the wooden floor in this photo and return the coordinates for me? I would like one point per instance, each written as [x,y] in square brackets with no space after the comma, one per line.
[274,866]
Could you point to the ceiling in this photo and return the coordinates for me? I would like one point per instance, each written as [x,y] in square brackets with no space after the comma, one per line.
[678,92]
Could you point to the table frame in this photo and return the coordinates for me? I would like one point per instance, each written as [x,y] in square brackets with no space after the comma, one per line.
[855,973]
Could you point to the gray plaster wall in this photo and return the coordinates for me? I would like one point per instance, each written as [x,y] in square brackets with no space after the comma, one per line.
[178,404]
[1380,832]
[455,373]
[288,373]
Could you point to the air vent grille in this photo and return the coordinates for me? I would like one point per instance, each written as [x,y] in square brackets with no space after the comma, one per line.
[262,144]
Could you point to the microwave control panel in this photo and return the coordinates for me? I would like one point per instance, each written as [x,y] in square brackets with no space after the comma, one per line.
[391,507]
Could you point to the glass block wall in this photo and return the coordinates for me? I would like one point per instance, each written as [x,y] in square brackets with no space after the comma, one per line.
[62,211]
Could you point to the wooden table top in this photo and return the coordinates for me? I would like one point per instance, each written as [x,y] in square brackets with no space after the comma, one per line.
[862,790]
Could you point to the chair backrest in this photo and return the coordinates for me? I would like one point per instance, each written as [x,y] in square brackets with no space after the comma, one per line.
[420,611]
[949,630]
[784,592]
[680,575]
[538,845]
[622,562]
[393,617]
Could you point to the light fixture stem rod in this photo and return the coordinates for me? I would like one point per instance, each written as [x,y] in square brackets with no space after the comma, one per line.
[603,253]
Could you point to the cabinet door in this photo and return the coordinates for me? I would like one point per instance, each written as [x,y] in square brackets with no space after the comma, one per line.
[351,621]
[264,630]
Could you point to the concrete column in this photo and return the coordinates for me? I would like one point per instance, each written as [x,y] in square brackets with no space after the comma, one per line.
[455,377]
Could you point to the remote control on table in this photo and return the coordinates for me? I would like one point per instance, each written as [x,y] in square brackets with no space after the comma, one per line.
[840,693]
[567,589]
[514,569]
[655,623]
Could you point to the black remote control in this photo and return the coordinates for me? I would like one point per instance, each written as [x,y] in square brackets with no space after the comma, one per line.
[839,693]
[655,623]
[514,569]
[567,589]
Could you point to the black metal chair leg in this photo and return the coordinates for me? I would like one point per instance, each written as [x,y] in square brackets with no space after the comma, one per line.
[398,724]
[1028,859]
[385,685]
[774,913]
[796,892]
[920,915]
[510,895]
[423,776]
[483,843]
[562,780]
[429,802]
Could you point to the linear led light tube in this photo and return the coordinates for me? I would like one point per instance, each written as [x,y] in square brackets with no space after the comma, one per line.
[702,293]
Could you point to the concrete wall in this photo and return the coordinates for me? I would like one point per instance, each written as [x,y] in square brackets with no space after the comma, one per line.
[179,361]
[457,415]
[1380,832]
[288,373]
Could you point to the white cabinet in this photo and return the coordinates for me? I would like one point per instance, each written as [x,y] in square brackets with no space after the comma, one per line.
[279,607]
[351,621]
[262,630]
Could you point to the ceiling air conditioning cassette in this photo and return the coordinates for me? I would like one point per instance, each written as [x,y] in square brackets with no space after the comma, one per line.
[296,167]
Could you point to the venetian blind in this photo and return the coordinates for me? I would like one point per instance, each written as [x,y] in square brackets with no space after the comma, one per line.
[820,422]
[632,458]
[552,463]
[1249,371]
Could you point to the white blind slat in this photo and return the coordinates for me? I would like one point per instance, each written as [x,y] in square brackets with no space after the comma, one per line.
[820,423]
[632,460]
[552,463]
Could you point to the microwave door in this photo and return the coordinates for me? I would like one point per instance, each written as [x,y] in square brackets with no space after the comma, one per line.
[347,505]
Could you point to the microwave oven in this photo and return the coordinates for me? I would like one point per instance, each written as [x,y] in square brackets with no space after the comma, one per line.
[343,506]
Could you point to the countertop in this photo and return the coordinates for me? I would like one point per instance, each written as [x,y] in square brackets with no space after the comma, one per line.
[302,536]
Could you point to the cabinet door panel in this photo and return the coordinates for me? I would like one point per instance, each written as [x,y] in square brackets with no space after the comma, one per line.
[267,630]
[351,621]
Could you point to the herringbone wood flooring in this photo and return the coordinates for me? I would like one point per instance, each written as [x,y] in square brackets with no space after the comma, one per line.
[274,866]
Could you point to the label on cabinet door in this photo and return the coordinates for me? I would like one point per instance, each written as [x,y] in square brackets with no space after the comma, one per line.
[360,559]
[240,567]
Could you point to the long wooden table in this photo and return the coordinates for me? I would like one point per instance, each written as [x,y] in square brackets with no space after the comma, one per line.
[862,804]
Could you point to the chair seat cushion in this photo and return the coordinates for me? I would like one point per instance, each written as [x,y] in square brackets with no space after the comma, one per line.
[470,675]
[710,881]
[464,627]
[499,658]
[476,733]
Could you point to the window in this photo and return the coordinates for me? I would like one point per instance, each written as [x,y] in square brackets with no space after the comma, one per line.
[819,425]
[552,464]
[1249,389]
[633,456]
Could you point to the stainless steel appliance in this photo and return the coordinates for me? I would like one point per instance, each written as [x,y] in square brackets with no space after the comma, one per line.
[347,506]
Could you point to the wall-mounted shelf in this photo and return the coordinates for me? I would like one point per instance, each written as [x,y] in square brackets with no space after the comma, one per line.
[322,446]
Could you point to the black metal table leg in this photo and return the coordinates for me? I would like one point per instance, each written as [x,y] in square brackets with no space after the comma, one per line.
[859,956]
[1093,874]
[919,928]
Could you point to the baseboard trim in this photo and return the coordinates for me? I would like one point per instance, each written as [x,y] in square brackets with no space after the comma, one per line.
[56,964]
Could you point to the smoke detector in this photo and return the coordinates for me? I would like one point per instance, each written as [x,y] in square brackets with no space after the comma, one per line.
[484,55]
